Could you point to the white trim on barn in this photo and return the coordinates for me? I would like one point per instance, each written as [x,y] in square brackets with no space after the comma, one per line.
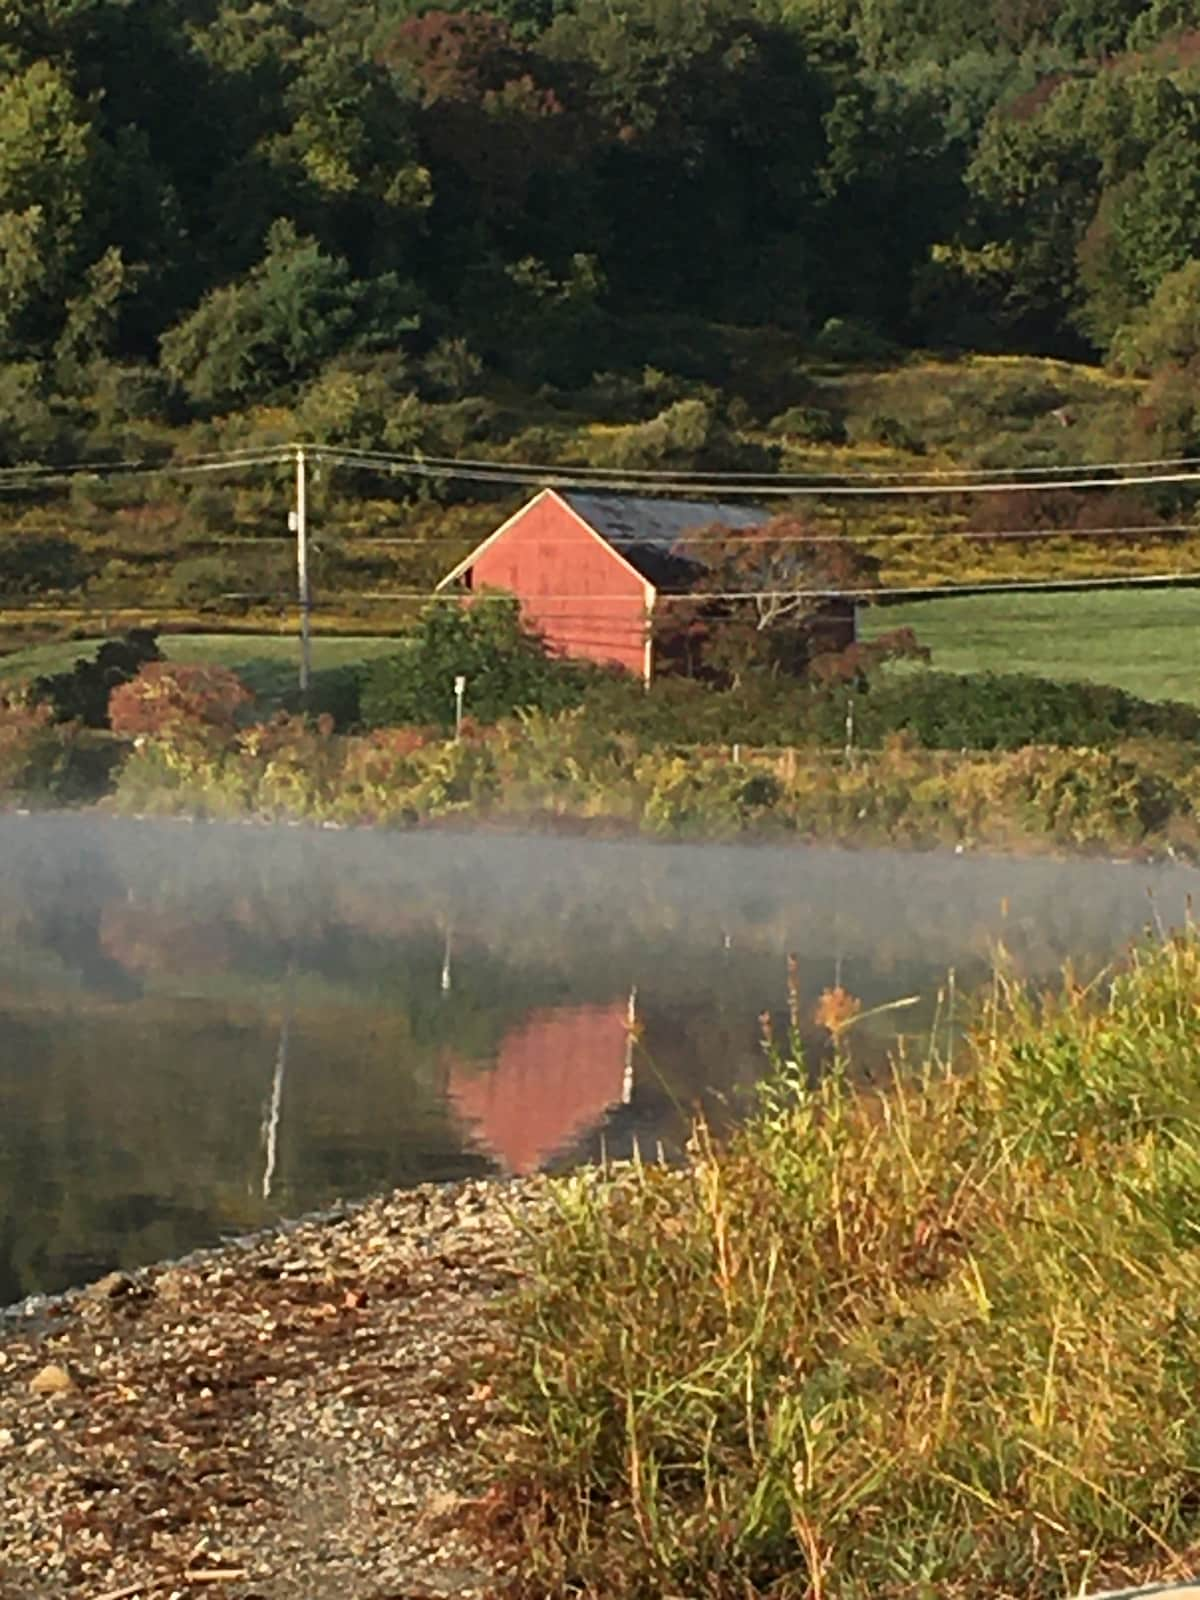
[468,562]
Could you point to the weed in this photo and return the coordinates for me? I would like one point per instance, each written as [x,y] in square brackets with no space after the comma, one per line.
[877,1346]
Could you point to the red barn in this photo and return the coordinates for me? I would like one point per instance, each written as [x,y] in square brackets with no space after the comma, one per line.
[588,568]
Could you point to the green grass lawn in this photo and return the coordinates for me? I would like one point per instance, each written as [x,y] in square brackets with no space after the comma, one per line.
[267,663]
[1143,640]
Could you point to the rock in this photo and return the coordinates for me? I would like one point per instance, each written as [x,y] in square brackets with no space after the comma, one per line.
[112,1286]
[51,1380]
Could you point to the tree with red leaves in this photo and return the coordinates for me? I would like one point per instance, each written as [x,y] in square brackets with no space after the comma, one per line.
[168,699]
[770,598]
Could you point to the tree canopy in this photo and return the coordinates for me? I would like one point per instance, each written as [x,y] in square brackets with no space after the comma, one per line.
[244,194]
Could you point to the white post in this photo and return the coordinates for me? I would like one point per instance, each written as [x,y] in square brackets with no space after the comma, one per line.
[460,688]
[630,1040]
[271,1121]
[304,595]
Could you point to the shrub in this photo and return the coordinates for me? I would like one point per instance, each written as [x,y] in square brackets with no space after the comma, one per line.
[279,324]
[943,710]
[31,749]
[809,424]
[336,693]
[200,581]
[1166,332]
[186,778]
[451,369]
[31,423]
[688,433]
[844,339]
[936,710]
[369,405]
[506,666]
[171,700]
[295,763]
[125,394]
[41,564]
[881,427]
[714,796]
[83,693]
[1024,398]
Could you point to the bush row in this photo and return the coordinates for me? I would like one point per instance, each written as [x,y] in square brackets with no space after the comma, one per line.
[560,769]
[938,710]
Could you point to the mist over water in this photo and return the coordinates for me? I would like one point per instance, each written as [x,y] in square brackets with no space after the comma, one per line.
[203,1028]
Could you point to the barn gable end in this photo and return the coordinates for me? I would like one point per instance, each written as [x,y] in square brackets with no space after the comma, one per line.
[574,587]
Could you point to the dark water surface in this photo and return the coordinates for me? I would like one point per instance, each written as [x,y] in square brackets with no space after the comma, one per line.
[203,1028]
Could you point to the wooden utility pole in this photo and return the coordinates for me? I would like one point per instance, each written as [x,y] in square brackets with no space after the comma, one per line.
[305,597]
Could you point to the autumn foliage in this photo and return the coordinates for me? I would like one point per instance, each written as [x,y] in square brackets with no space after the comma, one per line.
[765,598]
[167,697]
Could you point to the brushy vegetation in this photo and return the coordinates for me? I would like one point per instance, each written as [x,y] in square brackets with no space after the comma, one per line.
[931,760]
[935,710]
[934,1340]
[557,771]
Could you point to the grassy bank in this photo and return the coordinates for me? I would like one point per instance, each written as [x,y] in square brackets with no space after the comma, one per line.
[1142,641]
[939,1340]
[267,663]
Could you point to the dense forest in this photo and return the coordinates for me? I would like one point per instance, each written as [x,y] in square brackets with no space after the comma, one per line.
[645,233]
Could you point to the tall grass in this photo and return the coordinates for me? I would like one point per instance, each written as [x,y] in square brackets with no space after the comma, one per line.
[943,1338]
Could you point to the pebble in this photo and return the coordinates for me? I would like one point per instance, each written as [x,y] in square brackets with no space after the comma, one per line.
[302,1404]
[112,1286]
[51,1380]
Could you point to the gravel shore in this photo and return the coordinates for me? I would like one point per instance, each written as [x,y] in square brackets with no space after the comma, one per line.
[285,1418]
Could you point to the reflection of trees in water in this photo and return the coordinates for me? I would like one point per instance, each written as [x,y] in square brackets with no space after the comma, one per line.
[131,953]
[248,901]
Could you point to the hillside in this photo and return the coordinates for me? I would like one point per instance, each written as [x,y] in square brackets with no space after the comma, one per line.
[740,235]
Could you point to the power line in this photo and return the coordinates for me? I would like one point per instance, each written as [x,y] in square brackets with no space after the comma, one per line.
[230,455]
[1116,580]
[742,537]
[936,482]
[121,471]
[806,478]
[773,488]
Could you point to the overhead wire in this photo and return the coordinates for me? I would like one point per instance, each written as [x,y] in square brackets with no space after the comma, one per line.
[240,458]
[770,488]
[234,456]
[747,537]
[680,474]
[119,472]
[934,482]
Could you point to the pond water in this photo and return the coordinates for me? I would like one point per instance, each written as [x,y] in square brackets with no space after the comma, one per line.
[203,1028]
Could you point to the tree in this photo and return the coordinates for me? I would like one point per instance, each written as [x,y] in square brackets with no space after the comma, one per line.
[45,156]
[760,600]
[505,664]
[263,334]
[1146,227]
[713,122]
[169,699]
[1166,332]
[82,694]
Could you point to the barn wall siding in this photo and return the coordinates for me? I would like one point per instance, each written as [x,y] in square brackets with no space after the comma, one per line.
[571,586]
